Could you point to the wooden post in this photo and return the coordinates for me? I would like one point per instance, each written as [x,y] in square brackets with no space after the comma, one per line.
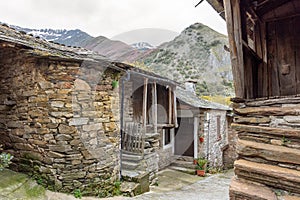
[170,105]
[154,107]
[145,95]
[144,128]
[175,110]
[233,21]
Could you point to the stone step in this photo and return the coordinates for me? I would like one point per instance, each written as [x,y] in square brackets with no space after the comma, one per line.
[240,189]
[129,188]
[127,165]
[131,157]
[288,197]
[269,175]
[184,164]
[137,182]
[269,152]
[182,169]
[186,158]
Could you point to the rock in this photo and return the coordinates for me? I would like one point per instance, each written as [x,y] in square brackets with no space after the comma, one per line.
[78,121]
[81,85]
[92,127]
[242,190]
[63,137]
[64,129]
[57,104]
[60,148]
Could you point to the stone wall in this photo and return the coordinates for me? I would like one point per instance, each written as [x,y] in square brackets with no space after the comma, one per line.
[214,143]
[60,121]
[268,149]
[229,151]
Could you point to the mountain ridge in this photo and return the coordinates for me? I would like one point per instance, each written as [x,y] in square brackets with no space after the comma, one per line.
[196,53]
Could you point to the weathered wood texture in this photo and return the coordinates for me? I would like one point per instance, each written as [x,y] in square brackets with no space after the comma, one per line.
[270,175]
[232,13]
[133,138]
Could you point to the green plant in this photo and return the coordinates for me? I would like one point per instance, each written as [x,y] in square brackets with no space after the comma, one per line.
[284,140]
[77,193]
[117,189]
[5,159]
[201,164]
[114,83]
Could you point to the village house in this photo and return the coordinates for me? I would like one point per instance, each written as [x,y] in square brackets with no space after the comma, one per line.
[203,128]
[62,109]
[264,45]
[76,120]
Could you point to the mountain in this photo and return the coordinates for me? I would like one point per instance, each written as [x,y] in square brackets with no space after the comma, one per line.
[112,49]
[116,50]
[197,53]
[153,36]
[68,37]
[143,46]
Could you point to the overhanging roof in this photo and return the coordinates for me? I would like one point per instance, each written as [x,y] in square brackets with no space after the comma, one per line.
[194,101]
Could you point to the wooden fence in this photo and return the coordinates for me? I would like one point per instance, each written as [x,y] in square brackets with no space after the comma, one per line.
[133,138]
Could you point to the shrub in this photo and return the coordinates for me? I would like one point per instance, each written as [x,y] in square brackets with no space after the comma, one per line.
[5,159]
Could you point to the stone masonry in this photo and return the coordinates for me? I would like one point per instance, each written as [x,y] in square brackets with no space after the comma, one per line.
[60,120]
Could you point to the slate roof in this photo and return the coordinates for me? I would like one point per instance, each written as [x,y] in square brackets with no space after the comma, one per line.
[194,101]
[41,48]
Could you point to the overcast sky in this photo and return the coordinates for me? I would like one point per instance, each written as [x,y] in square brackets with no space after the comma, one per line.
[109,17]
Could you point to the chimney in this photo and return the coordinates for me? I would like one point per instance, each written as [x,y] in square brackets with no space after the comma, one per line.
[190,85]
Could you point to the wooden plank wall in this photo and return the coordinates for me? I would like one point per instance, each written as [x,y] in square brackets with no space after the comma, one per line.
[283,48]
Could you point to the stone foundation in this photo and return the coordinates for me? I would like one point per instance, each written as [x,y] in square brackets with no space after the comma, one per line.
[268,148]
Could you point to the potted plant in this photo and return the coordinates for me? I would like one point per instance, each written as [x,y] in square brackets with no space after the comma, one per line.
[201,166]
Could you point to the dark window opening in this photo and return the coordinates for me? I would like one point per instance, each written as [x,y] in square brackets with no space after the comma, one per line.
[167,136]
[219,136]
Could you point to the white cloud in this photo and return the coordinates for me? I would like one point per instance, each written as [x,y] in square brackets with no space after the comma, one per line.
[109,17]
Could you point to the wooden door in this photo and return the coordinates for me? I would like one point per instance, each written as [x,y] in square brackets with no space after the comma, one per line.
[283,56]
[184,137]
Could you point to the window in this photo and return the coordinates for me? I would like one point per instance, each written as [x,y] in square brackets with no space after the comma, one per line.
[219,136]
[167,136]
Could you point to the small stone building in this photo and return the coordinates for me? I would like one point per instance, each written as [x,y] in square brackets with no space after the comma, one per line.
[69,116]
[203,128]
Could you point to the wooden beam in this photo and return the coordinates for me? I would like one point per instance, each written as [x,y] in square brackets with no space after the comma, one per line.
[154,107]
[145,95]
[170,105]
[233,21]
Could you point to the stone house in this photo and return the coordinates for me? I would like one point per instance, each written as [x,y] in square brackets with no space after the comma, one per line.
[264,46]
[62,109]
[203,128]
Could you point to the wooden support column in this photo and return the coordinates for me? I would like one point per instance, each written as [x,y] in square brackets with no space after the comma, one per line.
[154,107]
[145,95]
[175,110]
[233,21]
[170,105]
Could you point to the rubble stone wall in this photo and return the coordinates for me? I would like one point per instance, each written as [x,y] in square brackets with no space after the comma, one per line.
[60,120]
[214,141]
